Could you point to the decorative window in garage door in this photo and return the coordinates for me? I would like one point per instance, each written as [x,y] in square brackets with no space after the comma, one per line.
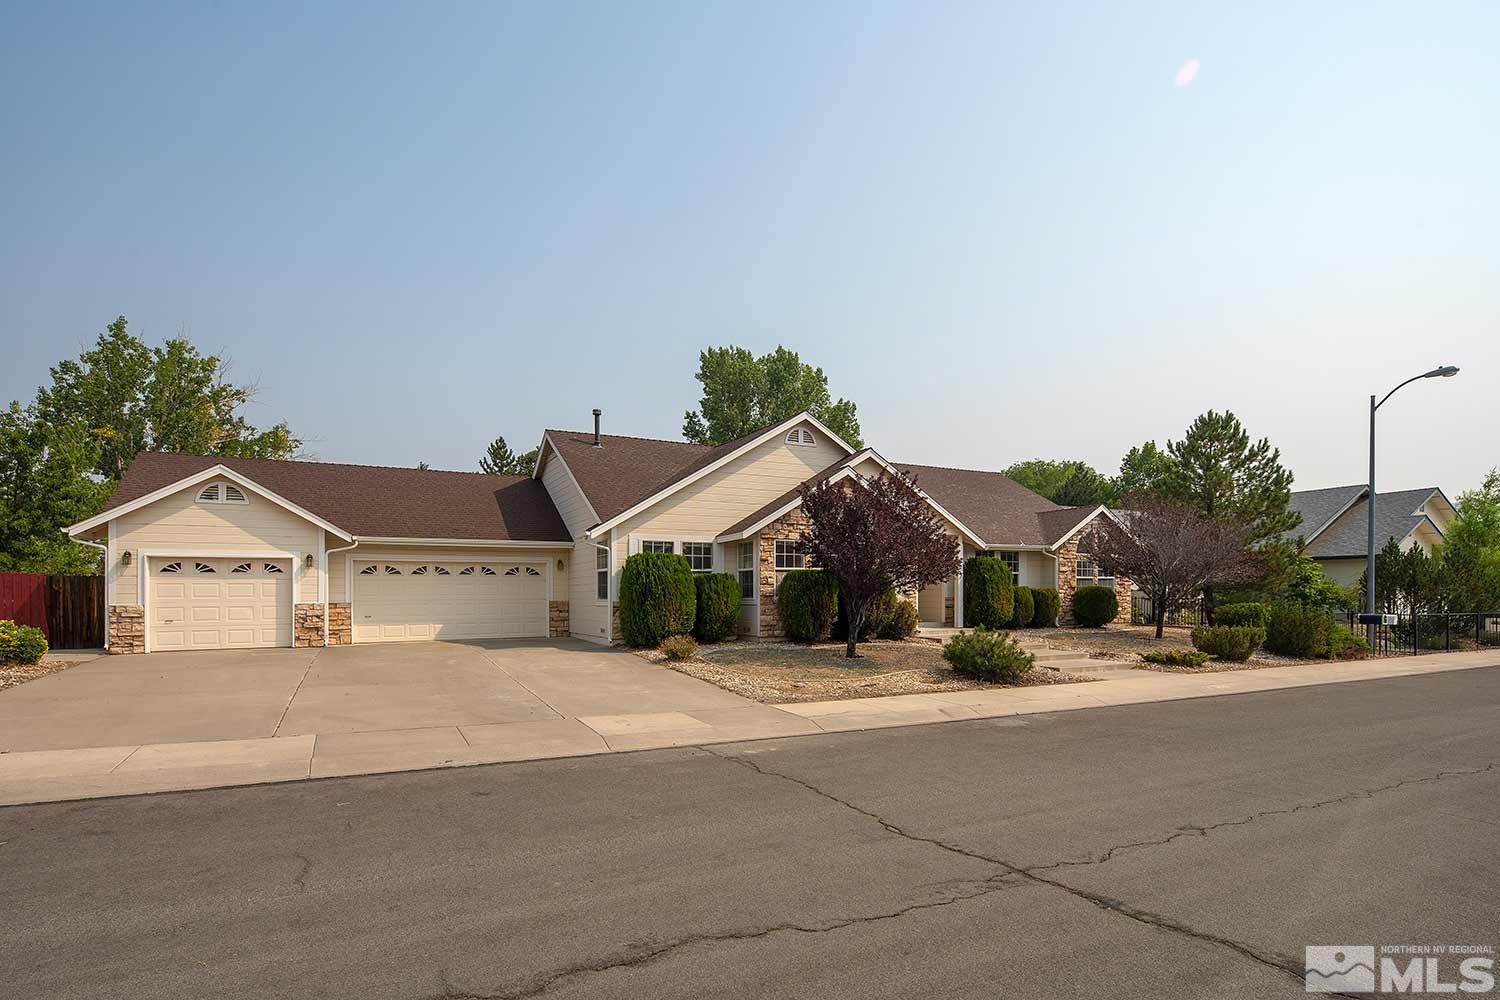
[369,571]
[517,570]
[241,568]
[466,571]
[419,571]
[392,571]
[440,571]
[171,567]
[203,568]
[274,568]
[486,571]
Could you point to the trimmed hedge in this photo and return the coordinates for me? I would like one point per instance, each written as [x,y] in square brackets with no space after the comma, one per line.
[1176,657]
[1346,644]
[1095,606]
[989,593]
[1225,642]
[983,655]
[1048,604]
[657,598]
[21,644]
[1248,613]
[718,606]
[808,603]
[1295,630]
[1025,607]
[903,624]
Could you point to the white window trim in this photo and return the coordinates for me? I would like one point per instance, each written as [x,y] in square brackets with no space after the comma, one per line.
[753,547]
[775,560]
[713,556]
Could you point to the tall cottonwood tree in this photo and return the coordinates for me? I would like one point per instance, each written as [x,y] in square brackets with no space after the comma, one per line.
[743,393]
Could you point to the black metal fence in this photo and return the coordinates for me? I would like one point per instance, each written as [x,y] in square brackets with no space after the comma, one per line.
[1140,612]
[1430,633]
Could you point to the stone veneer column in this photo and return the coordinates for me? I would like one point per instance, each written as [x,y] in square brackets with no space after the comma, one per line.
[307,625]
[788,526]
[340,627]
[127,628]
[558,624]
[1067,581]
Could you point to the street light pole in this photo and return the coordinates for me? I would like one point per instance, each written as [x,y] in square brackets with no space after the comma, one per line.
[1445,371]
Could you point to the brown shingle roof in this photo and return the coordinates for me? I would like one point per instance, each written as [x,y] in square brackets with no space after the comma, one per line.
[995,507]
[377,501]
[627,470]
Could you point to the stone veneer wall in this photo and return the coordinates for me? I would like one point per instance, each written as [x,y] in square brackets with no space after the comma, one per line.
[340,627]
[1067,583]
[127,628]
[948,614]
[558,619]
[307,625]
[790,525]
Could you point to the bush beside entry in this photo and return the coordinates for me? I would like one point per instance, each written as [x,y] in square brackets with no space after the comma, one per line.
[657,598]
[984,655]
[1095,606]
[989,597]
[1251,613]
[877,619]
[1048,604]
[903,624]
[679,647]
[1025,607]
[1233,643]
[21,644]
[718,606]
[808,603]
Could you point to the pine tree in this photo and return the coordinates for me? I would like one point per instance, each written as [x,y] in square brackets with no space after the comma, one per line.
[499,460]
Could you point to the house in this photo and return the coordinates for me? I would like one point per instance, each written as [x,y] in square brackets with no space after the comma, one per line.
[211,552]
[1335,525]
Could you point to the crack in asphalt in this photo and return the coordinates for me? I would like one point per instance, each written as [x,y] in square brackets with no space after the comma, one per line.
[300,879]
[1011,875]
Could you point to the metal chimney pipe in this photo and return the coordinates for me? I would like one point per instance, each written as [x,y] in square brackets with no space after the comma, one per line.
[597,442]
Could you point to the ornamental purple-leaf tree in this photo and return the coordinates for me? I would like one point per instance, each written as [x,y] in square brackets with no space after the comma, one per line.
[1169,550]
[873,535]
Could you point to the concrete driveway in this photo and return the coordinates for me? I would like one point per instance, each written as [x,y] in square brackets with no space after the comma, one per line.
[243,695]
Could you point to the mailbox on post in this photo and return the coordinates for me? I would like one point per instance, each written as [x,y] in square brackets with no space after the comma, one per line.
[1376,619]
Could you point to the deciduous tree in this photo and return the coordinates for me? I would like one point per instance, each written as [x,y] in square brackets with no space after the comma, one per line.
[874,535]
[1070,483]
[743,393]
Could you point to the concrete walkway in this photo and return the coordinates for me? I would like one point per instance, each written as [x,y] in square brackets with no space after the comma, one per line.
[91,772]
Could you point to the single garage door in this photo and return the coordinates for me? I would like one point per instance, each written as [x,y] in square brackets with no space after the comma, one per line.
[412,601]
[220,603]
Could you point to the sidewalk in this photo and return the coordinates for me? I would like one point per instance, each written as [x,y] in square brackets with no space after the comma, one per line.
[59,775]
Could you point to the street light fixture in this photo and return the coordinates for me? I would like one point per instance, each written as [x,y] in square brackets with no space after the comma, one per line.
[1445,371]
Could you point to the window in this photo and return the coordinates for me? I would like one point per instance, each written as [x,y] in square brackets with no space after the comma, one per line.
[241,568]
[789,554]
[392,571]
[800,436]
[1090,575]
[601,574]
[277,568]
[171,567]
[222,493]
[700,556]
[1013,560]
[466,571]
[440,571]
[203,568]
[746,573]
[368,571]
[657,547]
[486,571]
[531,571]
[419,571]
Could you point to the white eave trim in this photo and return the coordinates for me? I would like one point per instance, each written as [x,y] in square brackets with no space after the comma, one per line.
[541,456]
[1101,509]
[755,442]
[194,480]
[477,543]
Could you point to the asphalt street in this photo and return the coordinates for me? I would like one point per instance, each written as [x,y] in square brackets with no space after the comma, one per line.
[1183,849]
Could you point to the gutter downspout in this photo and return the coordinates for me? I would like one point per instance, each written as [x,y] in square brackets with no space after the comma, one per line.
[347,585]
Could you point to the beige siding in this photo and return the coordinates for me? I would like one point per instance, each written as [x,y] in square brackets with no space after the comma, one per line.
[1344,572]
[181,523]
[1038,570]
[588,617]
[569,500]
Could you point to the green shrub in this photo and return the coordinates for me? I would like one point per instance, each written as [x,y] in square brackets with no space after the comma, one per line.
[1250,613]
[1047,606]
[657,598]
[1346,644]
[679,647]
[718,606]
[1025,607]
[903,624]
[1095,606]
[1226,642]
[808,603]
[876,619]
[1176,657]
[21,643]
[983,655]
[989,597]
[1296,630]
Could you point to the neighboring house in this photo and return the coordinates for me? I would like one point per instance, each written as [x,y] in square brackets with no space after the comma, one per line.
[205,552]
[1335,525]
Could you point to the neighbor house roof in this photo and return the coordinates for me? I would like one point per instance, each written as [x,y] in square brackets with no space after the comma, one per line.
[1318,508]
[375,501]
[1396,516]
[999,509]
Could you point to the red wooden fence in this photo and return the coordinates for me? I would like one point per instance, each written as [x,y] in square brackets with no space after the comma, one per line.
[69,609]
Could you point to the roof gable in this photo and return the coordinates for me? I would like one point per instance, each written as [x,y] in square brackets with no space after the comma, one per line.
[1396,516]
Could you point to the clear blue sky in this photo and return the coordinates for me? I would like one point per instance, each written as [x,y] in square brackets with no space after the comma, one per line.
[1004,231]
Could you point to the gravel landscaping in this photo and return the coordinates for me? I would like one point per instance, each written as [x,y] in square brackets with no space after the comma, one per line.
[778,672]
[13,674]
[1127,642]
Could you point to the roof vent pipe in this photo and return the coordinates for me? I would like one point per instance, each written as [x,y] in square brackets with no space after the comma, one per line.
[597,443]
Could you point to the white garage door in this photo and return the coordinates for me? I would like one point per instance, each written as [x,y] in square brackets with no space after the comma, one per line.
[220,603]
[409,601]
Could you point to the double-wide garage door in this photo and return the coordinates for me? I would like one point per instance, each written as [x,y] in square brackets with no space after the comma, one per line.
[220,603]
[410,601]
